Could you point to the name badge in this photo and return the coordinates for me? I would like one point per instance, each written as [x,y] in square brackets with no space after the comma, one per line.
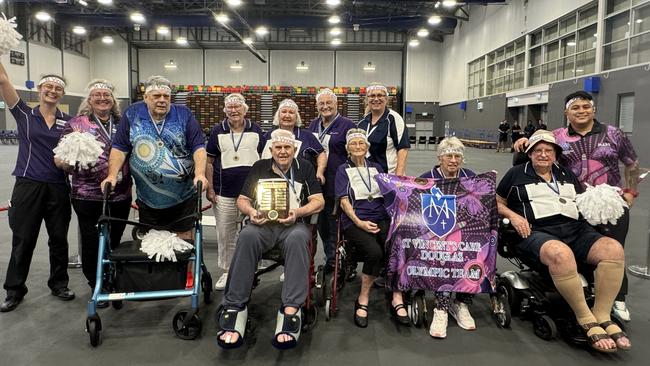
[60,123]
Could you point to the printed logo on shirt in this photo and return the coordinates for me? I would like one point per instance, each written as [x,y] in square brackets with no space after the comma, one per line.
[604,144]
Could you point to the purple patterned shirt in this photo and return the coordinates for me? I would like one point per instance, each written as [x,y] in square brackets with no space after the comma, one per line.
[86,182]
[594,157]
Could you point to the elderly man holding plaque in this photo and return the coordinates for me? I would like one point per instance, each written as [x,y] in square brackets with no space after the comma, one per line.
[233,147]
[278,195]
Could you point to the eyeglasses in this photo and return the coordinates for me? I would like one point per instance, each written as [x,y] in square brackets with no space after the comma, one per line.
[101,95]
[52,87]
[452,157]
[376,96]
[547,152]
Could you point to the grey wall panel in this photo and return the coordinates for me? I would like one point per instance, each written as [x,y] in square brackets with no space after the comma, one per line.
[219,72]
[473,119]
[284,72]
[189,65]
[349,68]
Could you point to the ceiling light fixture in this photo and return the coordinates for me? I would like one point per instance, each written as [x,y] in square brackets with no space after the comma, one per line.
[261,31]
[449,3]
[423,32]
[43,16]
[435,19]
[77,29]
[163,30]
[248,41]
[639,21]
[335,31]
[302,66]
[105,2]
[571,43]
[83,2]
[234,3]
[437,5]
[181,41]
[107,40]
[222,18]
[336,42]
[333,3]
[236,65]
[334,19]
[414,43]
[369,67]
[137,17]
[171,65]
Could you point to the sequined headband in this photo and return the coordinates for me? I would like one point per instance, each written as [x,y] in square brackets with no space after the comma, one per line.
[52,79]
[356,135]
[100,86]
[573,100]
[163,88]
[451,150]
[325,91]
[234,99]
[288,103]
[376,87]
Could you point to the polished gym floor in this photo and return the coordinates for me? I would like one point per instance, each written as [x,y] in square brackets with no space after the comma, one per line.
[46,331]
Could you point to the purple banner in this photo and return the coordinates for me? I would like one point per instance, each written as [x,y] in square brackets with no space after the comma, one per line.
[443,233]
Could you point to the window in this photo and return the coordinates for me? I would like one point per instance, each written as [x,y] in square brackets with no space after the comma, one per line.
[536,38]
[568,25]
[616,55]
[550,32]
[565,68]
[587,38]
[536,56]
[640,49]
[567,46]
[617,27]
[625,115]
[642,19]
[585,63]
[552,51]
[587,16]
[616,5]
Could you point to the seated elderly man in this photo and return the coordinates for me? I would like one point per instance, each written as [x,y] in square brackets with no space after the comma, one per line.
[267,229]
[538,198]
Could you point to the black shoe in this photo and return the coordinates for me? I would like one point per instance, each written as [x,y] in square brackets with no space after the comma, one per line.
[401,319]
[380,282]
[10,303]
[63,293]
[102,304]
[360,321]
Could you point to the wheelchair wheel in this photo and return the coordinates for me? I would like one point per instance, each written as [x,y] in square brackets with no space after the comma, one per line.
[206,286]
[501,309]
[117,304]
[512,296]
[138,233]
[309,318]
[328,309]
[417,309]
[94,327]
[188,331]
[545,327]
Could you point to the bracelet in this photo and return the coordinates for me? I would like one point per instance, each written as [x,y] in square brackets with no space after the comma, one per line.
[631,191]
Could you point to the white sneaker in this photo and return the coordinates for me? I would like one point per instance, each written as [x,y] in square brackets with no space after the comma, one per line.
[438,327]
[221,283]
[620,309]
[460,312]
[282,277]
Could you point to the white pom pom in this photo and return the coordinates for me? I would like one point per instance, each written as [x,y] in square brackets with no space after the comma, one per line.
[79,147]
[9,38]
[601,204]
[161,244]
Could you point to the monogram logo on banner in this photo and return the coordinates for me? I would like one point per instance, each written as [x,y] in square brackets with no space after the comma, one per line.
[439,212]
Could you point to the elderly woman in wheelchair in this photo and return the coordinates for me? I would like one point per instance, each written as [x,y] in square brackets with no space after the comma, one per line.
[267,229]
[538,198]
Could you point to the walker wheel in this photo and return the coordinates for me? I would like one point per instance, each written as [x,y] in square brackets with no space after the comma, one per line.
[94,327]
[191,329]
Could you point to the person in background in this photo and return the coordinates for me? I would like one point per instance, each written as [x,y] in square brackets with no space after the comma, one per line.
[516,133]
[541,125]
[40,193]
[592,150]
[234,146]
[386,132]
[330,128]
[504,127]
[530,129]
[98,115]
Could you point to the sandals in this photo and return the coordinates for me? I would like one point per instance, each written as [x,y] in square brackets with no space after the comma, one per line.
[289,325]
[232,320]
[401,319]
[594,338]
[360,321]
[616,334]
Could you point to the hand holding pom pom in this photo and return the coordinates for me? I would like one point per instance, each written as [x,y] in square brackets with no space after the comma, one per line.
[79,147]
[9,38]
[601,204]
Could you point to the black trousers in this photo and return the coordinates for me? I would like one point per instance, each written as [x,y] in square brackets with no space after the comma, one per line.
[369,248]
[31,203]
[619,232]
[88,213]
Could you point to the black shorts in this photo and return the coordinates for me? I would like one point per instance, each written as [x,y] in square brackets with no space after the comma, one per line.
[578,235]
[173,218]
[503,137]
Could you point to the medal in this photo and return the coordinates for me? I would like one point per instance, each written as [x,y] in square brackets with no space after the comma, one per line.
[273,215]
[562,200]
[235,158]
[160,143]
[370,198]
[369,184]
[236,145]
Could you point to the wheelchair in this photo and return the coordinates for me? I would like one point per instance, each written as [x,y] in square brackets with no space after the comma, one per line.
[530,292]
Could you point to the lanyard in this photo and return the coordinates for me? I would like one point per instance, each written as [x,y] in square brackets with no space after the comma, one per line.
[554,187]
[290,182]
[162,127]
[232,137]
[369,184]
[109,133]
[321,132]
[369,131]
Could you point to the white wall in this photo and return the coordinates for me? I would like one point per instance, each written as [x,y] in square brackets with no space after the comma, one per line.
[76,70]
[218,71]
[42,60]
[423,64]
[189,65]
[349,68]
[490,27]
[111,62]
[320,73]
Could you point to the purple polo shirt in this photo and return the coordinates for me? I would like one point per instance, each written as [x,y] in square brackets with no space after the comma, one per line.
[310,148]
[227,182]
[35,156]
[86,183]
[332,138]
[594,157]
[365,210]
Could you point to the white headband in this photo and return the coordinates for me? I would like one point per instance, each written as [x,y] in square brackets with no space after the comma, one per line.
[100,86]
[325,91]
[283,136]
[234,99]
[376,87]
[356,135]
[53,79]
[288,103]
[163,88]
[451,150]
[573,100]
